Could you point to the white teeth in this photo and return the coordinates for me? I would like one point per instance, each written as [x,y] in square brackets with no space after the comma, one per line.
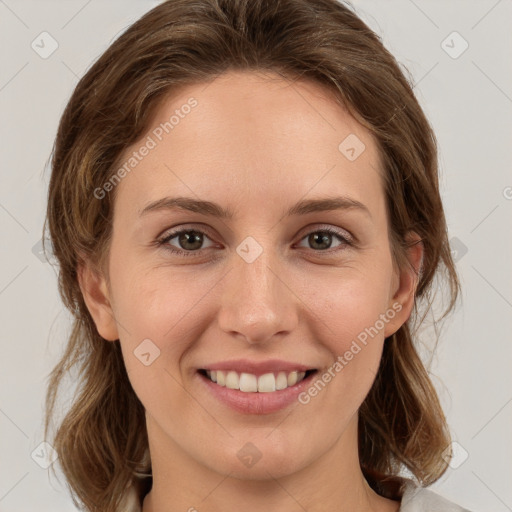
[232,380]
[249,383]
[266,383]
[292,378]
[221,378]
[281,381]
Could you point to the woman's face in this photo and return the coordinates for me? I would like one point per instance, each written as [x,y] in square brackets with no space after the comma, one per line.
[263,289]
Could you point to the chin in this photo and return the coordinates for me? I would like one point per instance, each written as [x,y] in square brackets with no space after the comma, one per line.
[260,458]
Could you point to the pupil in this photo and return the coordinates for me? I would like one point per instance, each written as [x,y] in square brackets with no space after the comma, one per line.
[322,239]
[186,238]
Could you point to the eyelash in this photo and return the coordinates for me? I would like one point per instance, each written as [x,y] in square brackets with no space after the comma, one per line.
[163,241]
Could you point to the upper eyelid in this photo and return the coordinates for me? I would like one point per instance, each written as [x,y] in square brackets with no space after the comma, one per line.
[172,232]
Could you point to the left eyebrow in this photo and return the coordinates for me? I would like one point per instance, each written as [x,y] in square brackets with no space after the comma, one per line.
[209,208]
[327,204]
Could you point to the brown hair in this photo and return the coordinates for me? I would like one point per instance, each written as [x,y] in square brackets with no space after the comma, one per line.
[102,440]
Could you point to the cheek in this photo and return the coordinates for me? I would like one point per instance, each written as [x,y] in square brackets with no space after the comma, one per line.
[349,327]
[150,301]
[350,315]
[348,305]
[167,308]
[158,316]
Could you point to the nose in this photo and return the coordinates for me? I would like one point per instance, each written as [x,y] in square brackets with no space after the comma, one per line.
[257,303]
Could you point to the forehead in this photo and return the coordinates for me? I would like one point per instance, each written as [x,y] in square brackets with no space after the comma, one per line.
[251,135]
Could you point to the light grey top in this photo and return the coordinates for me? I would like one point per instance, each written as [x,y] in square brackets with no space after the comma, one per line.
[414,499]
[420,499]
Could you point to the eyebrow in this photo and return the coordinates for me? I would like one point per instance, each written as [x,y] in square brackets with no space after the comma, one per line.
[213,209]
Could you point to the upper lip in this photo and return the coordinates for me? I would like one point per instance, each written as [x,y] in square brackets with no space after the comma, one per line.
[258,367]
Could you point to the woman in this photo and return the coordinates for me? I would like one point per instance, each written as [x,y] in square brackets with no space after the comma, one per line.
[244,204]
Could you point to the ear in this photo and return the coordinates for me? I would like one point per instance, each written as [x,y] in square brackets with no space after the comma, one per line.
[96,295]
[405,282]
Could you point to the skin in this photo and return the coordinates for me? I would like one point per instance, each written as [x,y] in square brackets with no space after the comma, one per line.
[255,144]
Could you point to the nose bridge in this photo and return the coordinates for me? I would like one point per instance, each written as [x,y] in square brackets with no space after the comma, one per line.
[256,303]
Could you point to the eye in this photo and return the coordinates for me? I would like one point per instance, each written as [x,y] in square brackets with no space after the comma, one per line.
[321,239]
[189,242]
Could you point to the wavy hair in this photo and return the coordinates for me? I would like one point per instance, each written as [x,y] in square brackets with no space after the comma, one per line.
[102,439]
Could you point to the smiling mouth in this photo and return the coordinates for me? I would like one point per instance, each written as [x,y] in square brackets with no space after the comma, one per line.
[250,383]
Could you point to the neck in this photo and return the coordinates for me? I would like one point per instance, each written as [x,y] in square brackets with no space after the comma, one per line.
[334,481]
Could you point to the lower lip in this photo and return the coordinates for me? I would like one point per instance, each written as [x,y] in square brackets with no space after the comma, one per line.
[257,403]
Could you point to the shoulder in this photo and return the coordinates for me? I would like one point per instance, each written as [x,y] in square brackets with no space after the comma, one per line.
[130,502]
[414,499]
[420,499]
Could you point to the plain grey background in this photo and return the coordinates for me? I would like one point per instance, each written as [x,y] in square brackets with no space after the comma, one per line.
[459,54]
